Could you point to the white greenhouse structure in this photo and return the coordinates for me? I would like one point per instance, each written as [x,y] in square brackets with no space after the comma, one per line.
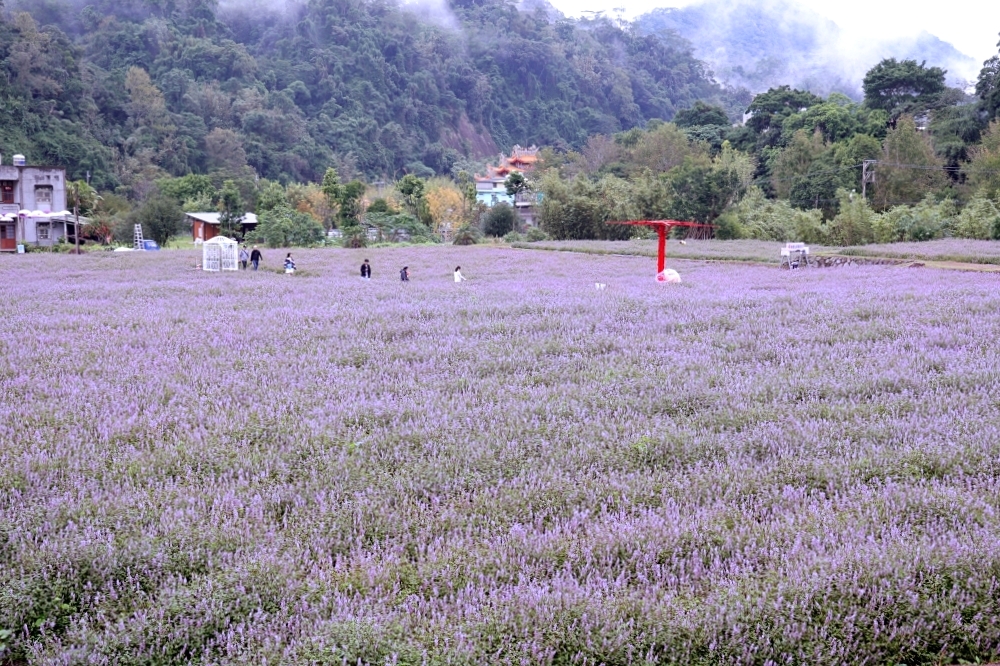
[220,254]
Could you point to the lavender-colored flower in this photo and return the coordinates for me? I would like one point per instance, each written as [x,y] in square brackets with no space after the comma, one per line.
[753,467]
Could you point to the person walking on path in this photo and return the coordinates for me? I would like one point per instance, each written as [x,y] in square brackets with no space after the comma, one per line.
[404,274]
[244,257]
[366,270]
[289,263]
[256,257]
[458,274]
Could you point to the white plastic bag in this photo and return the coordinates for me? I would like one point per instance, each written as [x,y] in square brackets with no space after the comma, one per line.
[669,276]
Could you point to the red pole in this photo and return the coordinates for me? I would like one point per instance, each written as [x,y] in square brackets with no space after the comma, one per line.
[661,250]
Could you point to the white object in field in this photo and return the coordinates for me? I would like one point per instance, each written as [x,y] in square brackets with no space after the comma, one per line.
[669,275]
[684,242]
[219,254]
[289,271]
[600,286]
[795,255]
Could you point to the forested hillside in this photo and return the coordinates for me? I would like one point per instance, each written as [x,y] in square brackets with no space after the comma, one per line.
[134,90]
[763,45]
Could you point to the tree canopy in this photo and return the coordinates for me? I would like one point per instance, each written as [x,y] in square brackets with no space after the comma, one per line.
[903,86]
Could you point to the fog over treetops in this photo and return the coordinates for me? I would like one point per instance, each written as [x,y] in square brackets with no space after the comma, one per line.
[760,45]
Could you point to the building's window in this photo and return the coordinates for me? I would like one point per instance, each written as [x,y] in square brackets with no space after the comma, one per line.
[43,196]
[43,232]
[7,191]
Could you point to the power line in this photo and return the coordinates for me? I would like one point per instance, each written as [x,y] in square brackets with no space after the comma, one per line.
[890,203]
[928,167]
[868,170]
[811,173]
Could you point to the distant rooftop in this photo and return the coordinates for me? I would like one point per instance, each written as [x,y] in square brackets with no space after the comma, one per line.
[214,218]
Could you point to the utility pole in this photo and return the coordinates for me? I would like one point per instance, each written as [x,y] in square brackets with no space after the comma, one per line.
[867,175]
[76,214]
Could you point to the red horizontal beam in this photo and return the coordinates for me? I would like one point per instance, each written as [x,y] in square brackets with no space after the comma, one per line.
[664,223]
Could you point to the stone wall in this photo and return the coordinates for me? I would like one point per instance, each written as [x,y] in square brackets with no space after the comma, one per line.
[831,261]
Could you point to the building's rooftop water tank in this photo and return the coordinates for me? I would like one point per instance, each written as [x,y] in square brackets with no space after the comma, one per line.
[19,160]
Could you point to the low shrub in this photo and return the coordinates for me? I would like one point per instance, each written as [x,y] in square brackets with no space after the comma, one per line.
[979,219]
[536,235]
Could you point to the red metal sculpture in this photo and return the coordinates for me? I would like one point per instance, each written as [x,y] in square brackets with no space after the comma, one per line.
[662,228]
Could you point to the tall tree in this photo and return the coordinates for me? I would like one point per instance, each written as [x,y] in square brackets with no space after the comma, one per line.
[770,108]
[350,204]
[701,114]
[988,86]
[231,207]
[160,217]
[515,184]
[446,207]
[224,148]
[793,163]
[905,86]
[412,189]
[908,169]
[146,106]
[984,171]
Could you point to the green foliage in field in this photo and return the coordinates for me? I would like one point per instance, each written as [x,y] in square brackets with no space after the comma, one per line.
[283,226]
[160,218]
[500,220]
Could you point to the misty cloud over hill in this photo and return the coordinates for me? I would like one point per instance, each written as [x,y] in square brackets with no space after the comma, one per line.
[760,46]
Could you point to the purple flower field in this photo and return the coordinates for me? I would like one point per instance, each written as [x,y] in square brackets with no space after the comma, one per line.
[753,467]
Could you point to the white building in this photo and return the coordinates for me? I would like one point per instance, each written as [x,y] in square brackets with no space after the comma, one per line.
[32,205]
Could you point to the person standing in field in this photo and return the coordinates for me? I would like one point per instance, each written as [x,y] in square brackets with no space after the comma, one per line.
[458,274]
[256,257]
[244,257]
[289,263]
[366,270]
[404,275]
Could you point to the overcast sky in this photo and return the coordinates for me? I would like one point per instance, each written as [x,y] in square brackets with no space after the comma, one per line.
[970,25]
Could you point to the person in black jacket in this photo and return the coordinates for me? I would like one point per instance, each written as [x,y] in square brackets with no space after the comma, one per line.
[256,257]
[366,270]
[404,274]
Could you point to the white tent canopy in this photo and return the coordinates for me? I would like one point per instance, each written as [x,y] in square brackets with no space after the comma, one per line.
[219,254]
